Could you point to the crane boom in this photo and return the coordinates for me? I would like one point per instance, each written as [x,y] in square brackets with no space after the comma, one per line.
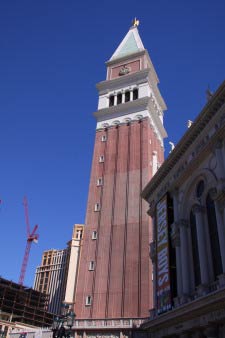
[25,261]
[26,215]
[31,237]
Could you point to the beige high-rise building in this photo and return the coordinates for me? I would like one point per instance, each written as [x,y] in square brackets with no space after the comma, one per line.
[74,246]
[50,277]
[56,275]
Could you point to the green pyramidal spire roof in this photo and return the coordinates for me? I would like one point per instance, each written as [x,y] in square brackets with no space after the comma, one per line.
[131,44]
[129,47]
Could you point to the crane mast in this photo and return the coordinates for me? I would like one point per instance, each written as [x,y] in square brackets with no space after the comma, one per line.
[31,237]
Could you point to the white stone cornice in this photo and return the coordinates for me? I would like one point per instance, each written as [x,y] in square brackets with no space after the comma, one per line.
[132,109]
[108,85]
[122,109]
[125,58]
[155,117]
[134,79]
[210,307]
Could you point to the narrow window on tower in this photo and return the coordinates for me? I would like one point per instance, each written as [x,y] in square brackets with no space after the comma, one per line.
[88,301]
[97,207]
[99,181]
[154,162]
[127,96]
[111,100]
[104,138]
[91,265]
[119,98]
[101,158]
[94,234]
[135,94]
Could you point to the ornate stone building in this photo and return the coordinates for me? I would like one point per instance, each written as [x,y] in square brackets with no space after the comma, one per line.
[187,203]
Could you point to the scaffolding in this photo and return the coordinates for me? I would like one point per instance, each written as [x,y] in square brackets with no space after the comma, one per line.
[23,304]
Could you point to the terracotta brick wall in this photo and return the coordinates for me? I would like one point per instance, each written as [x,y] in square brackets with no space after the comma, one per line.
[120,285]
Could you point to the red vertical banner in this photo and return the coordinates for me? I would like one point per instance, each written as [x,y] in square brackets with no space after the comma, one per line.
[162,258]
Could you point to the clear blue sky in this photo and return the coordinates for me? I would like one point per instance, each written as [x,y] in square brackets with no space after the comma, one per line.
[52,53]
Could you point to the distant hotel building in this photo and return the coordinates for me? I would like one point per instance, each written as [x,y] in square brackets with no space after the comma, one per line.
[74,247]
[56,266]
[50,277]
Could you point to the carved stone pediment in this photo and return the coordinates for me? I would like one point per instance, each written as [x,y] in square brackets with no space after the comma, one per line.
[124,70]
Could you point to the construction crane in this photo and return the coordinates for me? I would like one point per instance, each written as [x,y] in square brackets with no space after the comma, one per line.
[31,237]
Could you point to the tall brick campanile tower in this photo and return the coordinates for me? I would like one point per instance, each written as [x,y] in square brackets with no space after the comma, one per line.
[115,274]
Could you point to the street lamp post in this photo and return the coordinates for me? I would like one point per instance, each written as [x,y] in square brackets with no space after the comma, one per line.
[62,325]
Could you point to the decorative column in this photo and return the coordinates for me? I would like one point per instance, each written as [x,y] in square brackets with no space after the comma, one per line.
[184,249]
[220,161]
[115,99]
[219,200]
[198,211]
[123,96]
[175,237]
[131,95]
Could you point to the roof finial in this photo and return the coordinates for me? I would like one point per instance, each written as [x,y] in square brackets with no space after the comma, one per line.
[172,145]
[135,22]
[189,123]
[209,94]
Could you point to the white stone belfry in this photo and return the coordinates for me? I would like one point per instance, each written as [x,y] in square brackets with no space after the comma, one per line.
[130,91]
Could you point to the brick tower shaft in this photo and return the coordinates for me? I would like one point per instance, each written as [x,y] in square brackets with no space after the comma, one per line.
[115,274]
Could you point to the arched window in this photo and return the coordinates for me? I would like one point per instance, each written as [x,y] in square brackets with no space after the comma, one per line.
[213,235]
[200,188]
[135,94]
[195,253]
[127,96]
[111,100]
[119,98]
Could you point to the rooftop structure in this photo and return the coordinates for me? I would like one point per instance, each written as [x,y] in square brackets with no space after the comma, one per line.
[22,304]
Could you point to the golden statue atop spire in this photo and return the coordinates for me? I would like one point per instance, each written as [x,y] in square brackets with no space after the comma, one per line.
[135,22]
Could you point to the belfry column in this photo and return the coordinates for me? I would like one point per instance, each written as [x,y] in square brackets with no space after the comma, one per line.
[131,95]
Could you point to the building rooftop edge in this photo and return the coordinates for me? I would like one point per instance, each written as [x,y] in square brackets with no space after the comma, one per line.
[187,139]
